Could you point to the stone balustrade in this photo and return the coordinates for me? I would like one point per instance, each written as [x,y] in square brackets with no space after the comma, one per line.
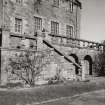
[76,43]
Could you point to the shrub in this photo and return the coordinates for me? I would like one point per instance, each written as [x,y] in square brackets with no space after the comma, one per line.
[28,65]
[99,63]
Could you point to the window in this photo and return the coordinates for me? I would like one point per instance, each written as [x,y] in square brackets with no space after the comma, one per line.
[71,5]
[69,31]
[56,3]
[19,1]
[54,28]
[38,23]
[18,25]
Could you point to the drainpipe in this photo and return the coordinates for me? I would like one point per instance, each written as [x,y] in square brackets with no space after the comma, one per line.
[76,20]
[3,13]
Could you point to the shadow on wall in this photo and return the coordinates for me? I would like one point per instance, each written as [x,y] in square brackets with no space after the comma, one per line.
[89,64]
[76,61]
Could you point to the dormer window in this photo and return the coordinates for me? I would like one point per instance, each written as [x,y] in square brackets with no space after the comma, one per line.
[71,5]
[56,3]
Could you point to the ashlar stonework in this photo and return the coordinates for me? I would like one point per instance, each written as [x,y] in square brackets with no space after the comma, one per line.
[46,24]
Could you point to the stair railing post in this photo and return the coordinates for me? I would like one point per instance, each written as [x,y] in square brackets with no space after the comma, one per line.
[39,41]
[52,53]
[62,68]
[47,36]
[4,55]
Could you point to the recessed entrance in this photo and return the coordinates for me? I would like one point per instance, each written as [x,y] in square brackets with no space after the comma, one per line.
[75,59]
[88,64]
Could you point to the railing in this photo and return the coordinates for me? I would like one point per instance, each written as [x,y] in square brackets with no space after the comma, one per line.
[23,35]
[76,43]
[69,42]
[61,54]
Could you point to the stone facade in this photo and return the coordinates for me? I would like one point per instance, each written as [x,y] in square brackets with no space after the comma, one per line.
[65,13]
[45,9]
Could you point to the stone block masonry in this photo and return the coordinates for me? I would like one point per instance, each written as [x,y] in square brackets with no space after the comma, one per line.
[35,20]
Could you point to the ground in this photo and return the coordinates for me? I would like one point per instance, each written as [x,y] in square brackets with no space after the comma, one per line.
[70,93]
[91,98]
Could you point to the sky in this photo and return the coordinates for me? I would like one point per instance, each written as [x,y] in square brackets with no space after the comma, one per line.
[93,20]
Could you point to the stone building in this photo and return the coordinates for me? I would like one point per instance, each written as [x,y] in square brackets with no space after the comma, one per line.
[59,20]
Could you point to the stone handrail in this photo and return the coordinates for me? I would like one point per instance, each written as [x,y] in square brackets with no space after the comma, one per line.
[60,53]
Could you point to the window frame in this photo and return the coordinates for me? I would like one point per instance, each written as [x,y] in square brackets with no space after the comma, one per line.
[19,2]
[71,5]
[18,25]
[54,28]
[37,23]
[69,33]
[56,3]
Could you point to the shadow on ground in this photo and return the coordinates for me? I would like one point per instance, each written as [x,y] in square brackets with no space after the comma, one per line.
[44,93]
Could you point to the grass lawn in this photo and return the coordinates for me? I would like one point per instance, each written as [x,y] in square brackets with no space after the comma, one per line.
[92,98]
[43,93]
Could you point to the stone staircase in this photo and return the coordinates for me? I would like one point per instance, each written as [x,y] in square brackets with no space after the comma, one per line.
[65,64]
[61,53]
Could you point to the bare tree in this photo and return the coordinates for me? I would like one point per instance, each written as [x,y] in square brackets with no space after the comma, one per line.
[28,65]
[99,63]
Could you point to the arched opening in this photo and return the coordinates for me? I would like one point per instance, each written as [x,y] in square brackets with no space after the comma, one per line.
[75,59]
[88,63]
